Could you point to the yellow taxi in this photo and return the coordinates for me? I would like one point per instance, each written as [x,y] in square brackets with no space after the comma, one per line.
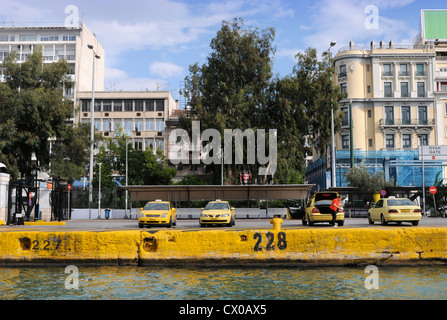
[217,212]
[318,209]
[395,210]
[157,214]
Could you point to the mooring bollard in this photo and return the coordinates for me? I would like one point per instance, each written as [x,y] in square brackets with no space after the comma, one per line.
[276,221]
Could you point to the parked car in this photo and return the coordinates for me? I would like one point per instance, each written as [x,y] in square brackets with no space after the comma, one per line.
[157,214]
[318,209]
[219,213]
[395,210]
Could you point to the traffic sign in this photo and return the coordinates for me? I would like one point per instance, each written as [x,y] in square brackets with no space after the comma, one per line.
[383,193]
[438,153]
[433,190]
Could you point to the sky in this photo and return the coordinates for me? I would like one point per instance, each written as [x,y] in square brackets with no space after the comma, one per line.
[150,44]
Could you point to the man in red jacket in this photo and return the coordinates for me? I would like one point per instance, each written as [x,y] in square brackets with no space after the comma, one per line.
[335,207]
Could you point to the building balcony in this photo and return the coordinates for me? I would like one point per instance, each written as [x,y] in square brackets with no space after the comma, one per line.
[399,123]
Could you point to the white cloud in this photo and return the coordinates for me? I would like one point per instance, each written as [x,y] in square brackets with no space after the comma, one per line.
[166,69]
[344,20]
[116,80]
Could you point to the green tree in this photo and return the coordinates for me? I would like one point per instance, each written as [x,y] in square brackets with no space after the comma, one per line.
[144,167]
[70,153]
[369,183]
[32,110]
[229,90]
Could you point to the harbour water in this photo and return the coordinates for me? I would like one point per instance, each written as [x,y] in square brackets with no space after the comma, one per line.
[207,283]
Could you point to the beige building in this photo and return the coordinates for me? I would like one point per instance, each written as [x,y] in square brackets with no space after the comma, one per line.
[141,115]
[397,95]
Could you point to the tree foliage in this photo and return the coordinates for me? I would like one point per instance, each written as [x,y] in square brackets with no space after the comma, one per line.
[32,110]
[144,167]
[369,183]
[234,89]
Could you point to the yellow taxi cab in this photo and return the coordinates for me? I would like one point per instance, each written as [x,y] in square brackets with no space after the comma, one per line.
[157,214]
[318,209]
[217,212]
[395,210]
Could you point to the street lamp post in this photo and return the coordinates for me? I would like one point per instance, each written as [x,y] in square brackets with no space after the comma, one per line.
[92,133]
[99,192]
[333,173]
[127,170]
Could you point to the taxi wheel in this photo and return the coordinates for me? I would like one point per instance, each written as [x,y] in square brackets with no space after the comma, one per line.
[383,221]
[304,221]
[414,223]
[370,221]
[140,225]
[340,223]
[170,222]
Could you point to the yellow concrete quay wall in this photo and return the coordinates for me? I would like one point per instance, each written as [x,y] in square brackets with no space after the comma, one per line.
[341,246]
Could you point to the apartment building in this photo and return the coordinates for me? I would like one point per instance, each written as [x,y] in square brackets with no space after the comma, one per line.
[396,96]
[141,115]
[57,43]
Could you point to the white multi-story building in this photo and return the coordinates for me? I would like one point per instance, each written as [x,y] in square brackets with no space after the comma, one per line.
[57,43]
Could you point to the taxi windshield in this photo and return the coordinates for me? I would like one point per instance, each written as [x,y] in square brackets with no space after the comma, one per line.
[217,206]
[156,206]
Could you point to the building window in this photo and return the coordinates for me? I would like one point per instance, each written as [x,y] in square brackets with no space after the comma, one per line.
[159,144]
[107,106]
[389,115]
[128,126]
[49,38]
[370,142]
[107,125]
[389,141]
[27,37]
[117,105]
[97,124]
[345,141]
[423,139]
[367,67]
[159,125]
[138,144]
[403,69]
[85,106]
[149,125]
[369,113]
[420,69]
[342,71]
[406,116]
[422,115]
[345,119]
[68,38]
[160,105]
[98,106]
[387,70]
[369,89]
[117,125]
[388,89]
[421,89]
[139,125]
[344,88]
[445,108]
[406,141]
[404,89]
[150,105]
[128,105]
[139,105]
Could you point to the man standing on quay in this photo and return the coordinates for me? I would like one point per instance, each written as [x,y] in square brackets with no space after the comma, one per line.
[335,207]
